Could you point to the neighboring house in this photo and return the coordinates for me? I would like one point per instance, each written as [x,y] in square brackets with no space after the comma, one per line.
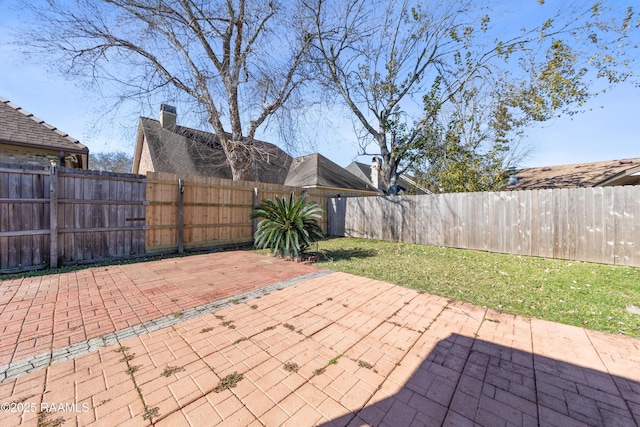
[371,174]
[594,174]
[25,139]
[164,146]
[316,171]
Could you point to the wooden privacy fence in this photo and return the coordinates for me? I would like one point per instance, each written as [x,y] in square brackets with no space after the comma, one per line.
[190,212]
[600,224]
[54,216]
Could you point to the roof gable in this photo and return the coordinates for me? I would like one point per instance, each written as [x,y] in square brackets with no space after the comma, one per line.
[360,170]
[20,127]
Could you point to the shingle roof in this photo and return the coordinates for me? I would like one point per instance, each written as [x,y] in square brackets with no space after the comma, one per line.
[574,175]
[315,170]
[194,152]
[23,128]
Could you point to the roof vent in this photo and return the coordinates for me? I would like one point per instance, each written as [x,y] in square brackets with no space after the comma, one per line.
[625,162]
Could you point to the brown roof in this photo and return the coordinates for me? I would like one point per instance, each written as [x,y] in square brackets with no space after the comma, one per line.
[20,127]
[193,152]
[315,170]
[612,172]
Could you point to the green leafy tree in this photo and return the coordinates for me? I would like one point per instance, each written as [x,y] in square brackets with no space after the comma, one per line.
[469,146]
[451,165]
[287,227]
[468,142]
[384,57]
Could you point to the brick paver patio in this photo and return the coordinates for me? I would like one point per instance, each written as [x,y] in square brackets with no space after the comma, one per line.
[237,338]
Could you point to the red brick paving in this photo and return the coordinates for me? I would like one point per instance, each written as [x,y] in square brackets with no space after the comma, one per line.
[334,350]
[41,313]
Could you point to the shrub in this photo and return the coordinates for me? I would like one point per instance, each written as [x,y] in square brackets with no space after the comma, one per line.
[287,227]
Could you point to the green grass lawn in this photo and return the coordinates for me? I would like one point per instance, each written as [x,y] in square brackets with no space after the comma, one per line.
[593,296]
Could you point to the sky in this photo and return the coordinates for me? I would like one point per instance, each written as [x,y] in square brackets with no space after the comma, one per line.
[609,128]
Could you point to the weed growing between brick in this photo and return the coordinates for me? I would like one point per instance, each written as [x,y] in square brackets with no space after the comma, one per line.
[228,382]
[291,367]
[170,370]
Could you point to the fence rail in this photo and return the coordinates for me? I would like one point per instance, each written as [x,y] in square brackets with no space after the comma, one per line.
[600,224]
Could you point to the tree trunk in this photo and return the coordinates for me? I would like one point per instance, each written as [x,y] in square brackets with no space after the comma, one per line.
[389,175]
[239,158]
[390,171]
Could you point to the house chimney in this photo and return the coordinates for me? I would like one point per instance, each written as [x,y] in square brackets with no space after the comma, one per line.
[375,173]
[168,116]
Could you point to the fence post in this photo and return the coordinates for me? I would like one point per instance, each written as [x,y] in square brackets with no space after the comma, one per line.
[53,216]
[328,217]
[180,216]
[256,202]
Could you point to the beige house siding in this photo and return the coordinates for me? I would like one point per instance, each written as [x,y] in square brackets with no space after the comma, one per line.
[146,164]
[26,155]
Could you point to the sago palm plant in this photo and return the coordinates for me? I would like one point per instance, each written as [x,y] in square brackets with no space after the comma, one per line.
[288,228]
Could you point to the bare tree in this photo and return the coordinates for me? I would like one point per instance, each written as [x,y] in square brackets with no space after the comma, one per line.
[382,58]
[115,161]
[240,61]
